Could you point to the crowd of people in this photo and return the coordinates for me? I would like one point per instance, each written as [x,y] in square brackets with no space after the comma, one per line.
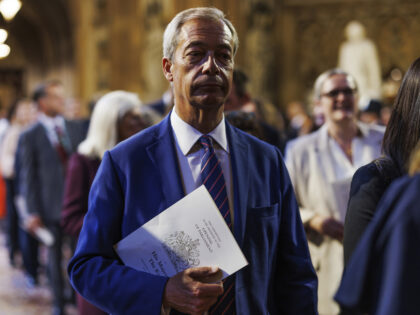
[343,199]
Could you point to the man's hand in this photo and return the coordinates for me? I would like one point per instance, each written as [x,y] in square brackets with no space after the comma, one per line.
[327,226]
[193,290]
[33,222]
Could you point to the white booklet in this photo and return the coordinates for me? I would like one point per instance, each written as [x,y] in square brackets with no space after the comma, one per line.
[190,233]
[341,190]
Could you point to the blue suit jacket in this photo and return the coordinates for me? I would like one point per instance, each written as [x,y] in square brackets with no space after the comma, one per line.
[140,178]
[383,274]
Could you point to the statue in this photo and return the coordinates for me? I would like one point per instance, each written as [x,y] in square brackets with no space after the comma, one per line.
[359,57]
[155,82]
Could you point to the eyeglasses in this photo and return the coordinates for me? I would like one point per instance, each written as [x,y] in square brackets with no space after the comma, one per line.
[336,92]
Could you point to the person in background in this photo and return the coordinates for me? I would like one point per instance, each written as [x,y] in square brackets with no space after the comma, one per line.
[163,105]
[321,165]
[246,122]
[300,123]
[144,175]
[372,113]
[4,124]
[116,116]
[383,275]
[42,155]
[21,114]
[239,99]
[370,181]
[73,109]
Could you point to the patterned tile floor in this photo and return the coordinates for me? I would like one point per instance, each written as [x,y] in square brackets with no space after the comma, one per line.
[15,297]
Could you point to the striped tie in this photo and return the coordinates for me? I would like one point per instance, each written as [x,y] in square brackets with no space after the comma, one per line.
[212,177]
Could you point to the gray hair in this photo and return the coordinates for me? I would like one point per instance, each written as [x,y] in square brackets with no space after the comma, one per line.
[319,82]
[102,134]
[170,37]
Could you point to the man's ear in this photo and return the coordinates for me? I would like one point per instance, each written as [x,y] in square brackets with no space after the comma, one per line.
[167,69]
[41,103]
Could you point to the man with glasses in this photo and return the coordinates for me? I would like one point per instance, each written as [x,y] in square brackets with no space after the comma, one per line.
[321,166]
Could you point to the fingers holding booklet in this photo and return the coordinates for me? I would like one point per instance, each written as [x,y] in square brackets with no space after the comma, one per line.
[193,290]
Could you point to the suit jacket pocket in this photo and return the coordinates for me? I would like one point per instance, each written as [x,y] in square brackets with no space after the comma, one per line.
[267,211]
[260,243]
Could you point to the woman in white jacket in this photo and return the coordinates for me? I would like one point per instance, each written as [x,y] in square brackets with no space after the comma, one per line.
[321,166]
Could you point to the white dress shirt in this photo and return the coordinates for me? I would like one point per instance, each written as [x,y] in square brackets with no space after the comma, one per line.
[49,124]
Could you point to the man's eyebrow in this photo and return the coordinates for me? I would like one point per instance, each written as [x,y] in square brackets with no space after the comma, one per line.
[201,44]
[226,46]
[195,43]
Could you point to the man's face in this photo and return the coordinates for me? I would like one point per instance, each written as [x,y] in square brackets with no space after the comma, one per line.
[52,104]
[202,65]
[338,99]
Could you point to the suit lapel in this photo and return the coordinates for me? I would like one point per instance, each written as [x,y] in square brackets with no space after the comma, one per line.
[163,155]
[44,141]
[240,178]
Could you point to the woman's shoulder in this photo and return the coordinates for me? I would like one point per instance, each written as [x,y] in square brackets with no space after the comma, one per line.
[380,172]
[366,172]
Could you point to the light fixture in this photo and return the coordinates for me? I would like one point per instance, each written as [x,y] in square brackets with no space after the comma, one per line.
[3,35]
[9,8]
[4,50]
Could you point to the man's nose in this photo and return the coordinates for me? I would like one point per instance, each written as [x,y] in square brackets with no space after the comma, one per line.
[210,66]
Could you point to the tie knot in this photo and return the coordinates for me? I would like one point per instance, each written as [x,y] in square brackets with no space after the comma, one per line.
[58,129]
[205,141]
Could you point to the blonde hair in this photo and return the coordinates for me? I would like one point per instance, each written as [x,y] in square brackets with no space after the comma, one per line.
[102,134]
[414,166]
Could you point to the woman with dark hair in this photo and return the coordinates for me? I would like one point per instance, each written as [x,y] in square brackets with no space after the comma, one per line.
[383,275]
[370,181]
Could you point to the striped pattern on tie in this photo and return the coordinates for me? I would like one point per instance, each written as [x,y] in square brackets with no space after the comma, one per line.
[212,177]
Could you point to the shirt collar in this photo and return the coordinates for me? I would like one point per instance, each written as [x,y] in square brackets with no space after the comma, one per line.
[51,122]
[363,129]
[187,135]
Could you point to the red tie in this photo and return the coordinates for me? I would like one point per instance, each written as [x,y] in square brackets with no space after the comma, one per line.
[62,152]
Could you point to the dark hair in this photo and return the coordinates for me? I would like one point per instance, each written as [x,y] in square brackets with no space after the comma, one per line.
[12,109]
[403,130]
[240,80]
[246,122]
[41,89]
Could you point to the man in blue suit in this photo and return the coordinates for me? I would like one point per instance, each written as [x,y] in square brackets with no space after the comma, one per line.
[149,172]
